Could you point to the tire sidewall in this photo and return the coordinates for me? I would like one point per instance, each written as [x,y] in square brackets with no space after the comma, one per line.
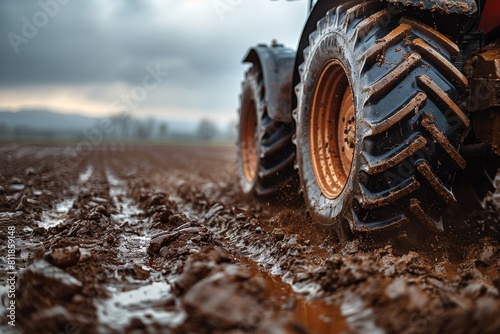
[329,46]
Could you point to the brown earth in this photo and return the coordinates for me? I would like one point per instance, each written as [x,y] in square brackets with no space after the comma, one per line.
[158,239]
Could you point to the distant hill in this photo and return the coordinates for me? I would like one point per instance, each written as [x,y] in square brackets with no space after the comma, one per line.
[45,120]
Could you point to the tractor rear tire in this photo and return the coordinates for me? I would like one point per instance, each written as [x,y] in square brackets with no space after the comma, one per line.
[265,149]
[379,123]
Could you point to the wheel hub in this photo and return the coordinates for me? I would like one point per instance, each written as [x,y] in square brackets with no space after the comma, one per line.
[248,140]
[332,130]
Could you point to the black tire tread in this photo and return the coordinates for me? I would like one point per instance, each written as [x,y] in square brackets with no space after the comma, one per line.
[415,103]
[452,73]
[371,200]
[395,156]
[368,24]
[394,77]
[426,171]
[430,87]
[377,49]
[427,51]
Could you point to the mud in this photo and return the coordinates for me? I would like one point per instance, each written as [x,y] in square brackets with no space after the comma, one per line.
[132,239]
[467,7]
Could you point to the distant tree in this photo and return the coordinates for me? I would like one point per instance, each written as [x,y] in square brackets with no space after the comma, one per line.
[141,130]
[206,130]
[150,124]
[124,124]
[115,129]
[163,130]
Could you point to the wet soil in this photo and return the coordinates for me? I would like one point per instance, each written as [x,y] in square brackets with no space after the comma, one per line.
[158,239]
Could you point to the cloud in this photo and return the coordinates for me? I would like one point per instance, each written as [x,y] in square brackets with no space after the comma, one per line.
[107,44]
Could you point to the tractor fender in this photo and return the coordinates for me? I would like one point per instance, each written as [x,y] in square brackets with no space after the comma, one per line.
[464,7]
[276,63]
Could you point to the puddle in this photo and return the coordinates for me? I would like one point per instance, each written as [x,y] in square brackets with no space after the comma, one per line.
[10,215]
[153,305]
[16,187]
[132,247]
[57,215]
[85,175]
[316,315]
[127,210]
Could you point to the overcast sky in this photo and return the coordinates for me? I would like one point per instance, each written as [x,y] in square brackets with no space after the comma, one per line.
[88,53]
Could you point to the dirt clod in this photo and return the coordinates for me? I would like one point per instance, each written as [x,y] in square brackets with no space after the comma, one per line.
[64,257]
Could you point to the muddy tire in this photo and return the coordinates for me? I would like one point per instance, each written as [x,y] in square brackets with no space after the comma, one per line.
[265,149]
[405,131]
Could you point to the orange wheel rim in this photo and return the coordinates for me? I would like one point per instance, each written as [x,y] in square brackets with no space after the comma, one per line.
[248,140]
[332,130]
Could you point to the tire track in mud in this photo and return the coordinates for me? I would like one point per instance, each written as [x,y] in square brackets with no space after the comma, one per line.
[104,194]
[143,294]
[32,181]
[134,292]
[60,209]
[96,229]
[31,185]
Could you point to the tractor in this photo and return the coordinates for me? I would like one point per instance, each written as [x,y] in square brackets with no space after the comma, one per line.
[385,119]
